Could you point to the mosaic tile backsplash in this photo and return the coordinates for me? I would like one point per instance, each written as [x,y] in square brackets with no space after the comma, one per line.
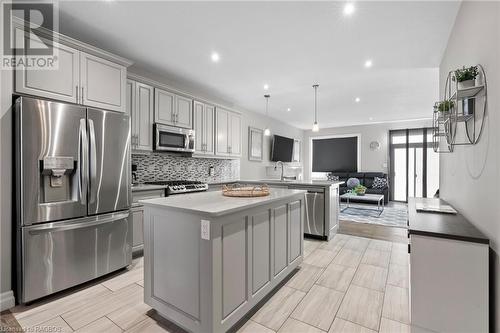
[164,166]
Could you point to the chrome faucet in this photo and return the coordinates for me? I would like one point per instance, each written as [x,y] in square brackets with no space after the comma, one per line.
[282,176]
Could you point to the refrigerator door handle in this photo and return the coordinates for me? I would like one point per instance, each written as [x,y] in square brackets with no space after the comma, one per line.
[83,161]
[93,163]
[76,225]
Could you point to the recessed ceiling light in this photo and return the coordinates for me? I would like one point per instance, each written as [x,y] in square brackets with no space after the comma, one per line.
[358,99]
[349,9]
[371,118]
[266,86]
[368,63]
[288,109]
[215,57]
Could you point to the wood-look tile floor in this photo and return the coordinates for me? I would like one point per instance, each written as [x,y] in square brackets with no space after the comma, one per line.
[350,284]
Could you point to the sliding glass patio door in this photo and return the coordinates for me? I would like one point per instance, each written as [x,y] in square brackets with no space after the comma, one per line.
[414,167]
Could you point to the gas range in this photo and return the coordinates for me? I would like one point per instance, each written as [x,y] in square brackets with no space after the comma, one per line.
[181,186]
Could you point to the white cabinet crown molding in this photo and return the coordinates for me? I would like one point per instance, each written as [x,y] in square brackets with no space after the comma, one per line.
[163,86]
[79,45]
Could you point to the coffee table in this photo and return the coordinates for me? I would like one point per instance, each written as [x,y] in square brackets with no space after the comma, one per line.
[368,198]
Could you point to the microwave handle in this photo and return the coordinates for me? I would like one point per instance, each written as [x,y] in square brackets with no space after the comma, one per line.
[187,141]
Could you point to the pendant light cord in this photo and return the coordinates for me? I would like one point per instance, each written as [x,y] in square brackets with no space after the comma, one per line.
[267,104]
[316,102]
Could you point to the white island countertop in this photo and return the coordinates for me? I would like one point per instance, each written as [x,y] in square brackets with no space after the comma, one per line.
[214,204]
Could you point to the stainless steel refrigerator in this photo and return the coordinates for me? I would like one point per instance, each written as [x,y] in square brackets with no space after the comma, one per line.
[73,195]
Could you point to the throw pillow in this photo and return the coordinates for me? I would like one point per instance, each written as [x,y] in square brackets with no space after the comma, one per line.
[353,182]
[379,183]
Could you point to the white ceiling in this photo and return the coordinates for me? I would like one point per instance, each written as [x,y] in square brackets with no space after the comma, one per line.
[289,45]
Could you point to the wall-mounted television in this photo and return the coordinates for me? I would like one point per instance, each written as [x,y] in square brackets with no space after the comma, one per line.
[281,149]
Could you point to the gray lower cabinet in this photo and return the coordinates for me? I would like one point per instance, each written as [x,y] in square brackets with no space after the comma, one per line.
[137,215]
[208,285]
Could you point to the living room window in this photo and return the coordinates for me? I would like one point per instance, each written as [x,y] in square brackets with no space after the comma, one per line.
[334,154]
[414,167]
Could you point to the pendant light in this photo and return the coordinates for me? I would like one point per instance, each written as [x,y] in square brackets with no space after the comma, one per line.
[267,131]
[315,127]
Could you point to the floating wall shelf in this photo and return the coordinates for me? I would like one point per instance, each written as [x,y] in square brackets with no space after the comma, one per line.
[466,110]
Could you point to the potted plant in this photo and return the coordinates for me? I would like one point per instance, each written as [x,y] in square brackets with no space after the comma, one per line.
[360,190]
[445,106]
[466,77]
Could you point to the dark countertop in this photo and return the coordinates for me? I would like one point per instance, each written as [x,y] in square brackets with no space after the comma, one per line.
[450,226]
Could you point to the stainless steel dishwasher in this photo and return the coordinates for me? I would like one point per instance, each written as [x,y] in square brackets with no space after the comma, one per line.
[314,224]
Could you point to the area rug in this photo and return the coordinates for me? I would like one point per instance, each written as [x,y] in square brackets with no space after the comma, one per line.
[393,216]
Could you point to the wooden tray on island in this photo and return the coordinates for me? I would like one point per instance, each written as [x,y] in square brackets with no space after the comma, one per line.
[245,191]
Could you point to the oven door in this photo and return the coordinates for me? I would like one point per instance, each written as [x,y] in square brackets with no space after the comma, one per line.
[169,138]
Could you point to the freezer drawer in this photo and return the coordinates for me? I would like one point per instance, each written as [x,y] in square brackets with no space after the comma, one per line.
[56,256]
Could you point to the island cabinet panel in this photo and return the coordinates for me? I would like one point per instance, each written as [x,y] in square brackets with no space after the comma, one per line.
[280,238]
[234,269]
[296,234]
[205,271]
[260,225]
[175,259]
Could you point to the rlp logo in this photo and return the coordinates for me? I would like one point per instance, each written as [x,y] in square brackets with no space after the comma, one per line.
[36,16]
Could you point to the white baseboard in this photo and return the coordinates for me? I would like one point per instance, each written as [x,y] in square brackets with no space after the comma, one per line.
[7,300]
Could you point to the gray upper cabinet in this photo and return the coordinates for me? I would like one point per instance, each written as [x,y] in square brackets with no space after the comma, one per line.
[227,133]
[235,134]
[80,77]
[184,112]
[130,109]
[172,109]
[140,97]
[221,132]
[60,84]
[102,83]
[204,128]
[296,151]
[164,107]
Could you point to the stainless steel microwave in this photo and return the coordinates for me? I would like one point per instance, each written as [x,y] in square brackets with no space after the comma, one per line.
[176,139]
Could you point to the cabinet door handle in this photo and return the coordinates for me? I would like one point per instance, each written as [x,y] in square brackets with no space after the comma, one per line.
[77,100]
[82,95]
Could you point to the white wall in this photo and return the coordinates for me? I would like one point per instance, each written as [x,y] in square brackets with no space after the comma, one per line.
[256,170]
[6,222]
[470,176]
[371,160]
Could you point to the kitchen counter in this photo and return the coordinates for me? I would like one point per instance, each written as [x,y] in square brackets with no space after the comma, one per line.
[449,272]
[214,204]
[147,187]
[451,226]
[323,183]
[209,259]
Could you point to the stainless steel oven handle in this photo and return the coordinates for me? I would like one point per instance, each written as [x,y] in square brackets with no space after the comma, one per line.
[93,162]
[83,161]
[76,225]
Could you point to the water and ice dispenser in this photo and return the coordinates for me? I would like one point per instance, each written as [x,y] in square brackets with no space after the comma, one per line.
[57,179]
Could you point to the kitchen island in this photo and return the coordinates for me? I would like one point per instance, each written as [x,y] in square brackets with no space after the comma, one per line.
[209,259]
[322,203]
